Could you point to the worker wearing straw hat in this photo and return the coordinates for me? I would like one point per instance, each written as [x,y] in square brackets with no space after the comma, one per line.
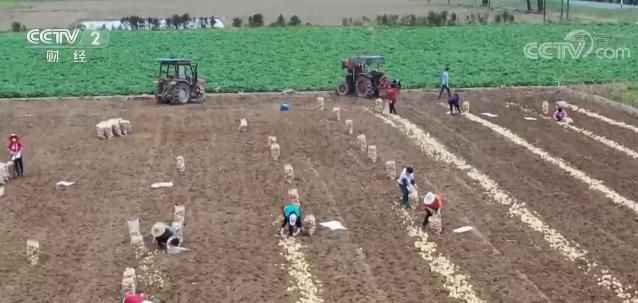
[432,204]
[165,235]
[15,148]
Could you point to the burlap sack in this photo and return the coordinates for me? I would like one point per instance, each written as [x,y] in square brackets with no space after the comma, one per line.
[372,153]
[275,151]
[99,128]
[310,224]
[435,223]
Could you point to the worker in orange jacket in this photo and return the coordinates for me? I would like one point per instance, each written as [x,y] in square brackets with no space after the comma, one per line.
[432,203]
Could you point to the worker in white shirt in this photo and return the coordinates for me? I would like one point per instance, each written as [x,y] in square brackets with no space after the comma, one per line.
[407,185]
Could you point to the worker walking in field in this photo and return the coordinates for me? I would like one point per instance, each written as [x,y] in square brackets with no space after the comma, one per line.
[454,102]
[444,83]
[293,219]
[15,151]
[392,95]
[406,184]
[433,204]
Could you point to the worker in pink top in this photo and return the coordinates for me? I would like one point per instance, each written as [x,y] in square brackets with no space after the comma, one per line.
[15,152]
[130,297]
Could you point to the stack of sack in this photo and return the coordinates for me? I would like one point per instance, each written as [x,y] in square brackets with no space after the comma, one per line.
[113,127]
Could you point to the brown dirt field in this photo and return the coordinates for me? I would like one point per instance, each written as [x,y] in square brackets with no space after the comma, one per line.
[233,192]
[562,201]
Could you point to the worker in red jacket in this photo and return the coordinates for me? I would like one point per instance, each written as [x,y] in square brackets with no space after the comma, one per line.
[131,297]
[432,204]
[392,95]
[15,152]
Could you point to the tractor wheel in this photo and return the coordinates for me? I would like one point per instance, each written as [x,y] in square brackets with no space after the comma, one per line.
[364,87]
[181,94]
[343,89]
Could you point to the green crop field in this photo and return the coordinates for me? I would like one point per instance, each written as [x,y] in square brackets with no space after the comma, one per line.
[307,58]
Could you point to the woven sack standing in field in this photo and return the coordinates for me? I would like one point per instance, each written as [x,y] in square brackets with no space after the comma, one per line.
[33,252]
[378,105]
[465,107]
[436,223]
[275,151]
[108,129]
[125,127]
[180,164]
[337,111]
[5,172]
[243,125]
[414,195]
[289,172]
[372,153]
[545,108]
[128,280]
[361,139]
[391,169]
[115,124]
[272,140]
[99,128]
[349,127]
[310,224]
[322,103]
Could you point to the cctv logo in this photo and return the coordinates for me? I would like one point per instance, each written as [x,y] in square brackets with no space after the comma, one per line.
[53,36]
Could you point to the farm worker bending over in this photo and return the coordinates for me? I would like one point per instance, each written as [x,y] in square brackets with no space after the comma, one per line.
[560,114]
[444,83]
[432,204]
[406,184]
[15,151]
[293,219]
[165,235]
[454,102]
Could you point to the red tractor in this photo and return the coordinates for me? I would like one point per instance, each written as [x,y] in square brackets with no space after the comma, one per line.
[364,77]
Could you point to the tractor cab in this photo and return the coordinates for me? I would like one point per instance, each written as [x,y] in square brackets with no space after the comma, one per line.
[364,76]
[178,82]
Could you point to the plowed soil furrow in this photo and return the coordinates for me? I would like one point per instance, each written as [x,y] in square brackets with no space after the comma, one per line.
[621,135]
[617,170]
[594,158]
[601,109]
[234,257]
[335,256]
[502,256]
[233,192]
[373,228]
[534,182]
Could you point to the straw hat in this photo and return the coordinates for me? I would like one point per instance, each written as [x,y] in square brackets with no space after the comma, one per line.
[158,229]
[429,198]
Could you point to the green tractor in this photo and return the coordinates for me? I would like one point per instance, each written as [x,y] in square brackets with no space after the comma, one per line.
[178,83]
